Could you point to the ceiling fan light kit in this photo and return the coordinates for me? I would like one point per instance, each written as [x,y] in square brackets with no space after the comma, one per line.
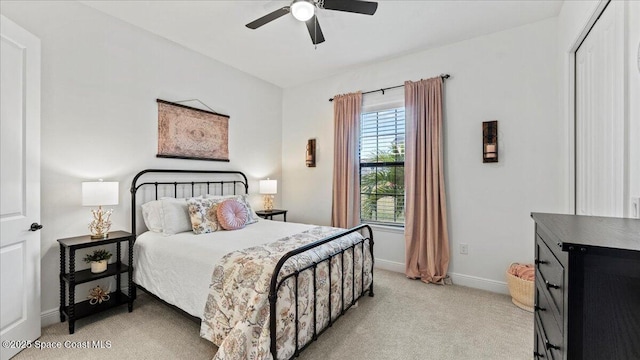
[304,10]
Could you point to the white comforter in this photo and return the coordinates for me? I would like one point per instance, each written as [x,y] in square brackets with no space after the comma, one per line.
[178,268]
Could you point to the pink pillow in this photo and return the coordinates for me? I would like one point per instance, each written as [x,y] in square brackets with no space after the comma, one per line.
[232,215]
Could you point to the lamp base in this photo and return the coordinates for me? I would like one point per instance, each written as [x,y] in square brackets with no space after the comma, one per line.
[268,202]
[100,225]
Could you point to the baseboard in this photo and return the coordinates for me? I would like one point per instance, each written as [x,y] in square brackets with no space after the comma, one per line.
[389,265]
[49,317]
[458,279]
[480,283]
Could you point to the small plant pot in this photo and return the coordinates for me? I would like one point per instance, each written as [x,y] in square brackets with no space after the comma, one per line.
[98,266]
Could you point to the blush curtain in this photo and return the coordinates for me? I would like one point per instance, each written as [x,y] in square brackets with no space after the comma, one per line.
[345,211]
[426,235]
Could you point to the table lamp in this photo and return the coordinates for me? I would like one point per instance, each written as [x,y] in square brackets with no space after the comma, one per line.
[99,193]
[268,188]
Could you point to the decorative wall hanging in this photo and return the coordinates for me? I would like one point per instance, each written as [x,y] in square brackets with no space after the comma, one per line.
[185,132]
[311,153]
[490,141]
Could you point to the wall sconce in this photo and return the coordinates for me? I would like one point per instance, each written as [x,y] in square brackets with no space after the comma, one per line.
[490,141]
[311,153]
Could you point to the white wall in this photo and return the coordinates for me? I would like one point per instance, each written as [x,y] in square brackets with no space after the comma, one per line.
[100,79]
[509,76]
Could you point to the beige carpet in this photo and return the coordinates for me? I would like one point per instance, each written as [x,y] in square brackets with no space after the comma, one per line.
[406,319]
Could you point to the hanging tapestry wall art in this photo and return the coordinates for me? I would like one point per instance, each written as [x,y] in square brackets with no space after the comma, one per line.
[185,132]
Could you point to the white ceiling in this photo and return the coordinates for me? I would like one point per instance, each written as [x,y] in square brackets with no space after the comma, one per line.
[281,52]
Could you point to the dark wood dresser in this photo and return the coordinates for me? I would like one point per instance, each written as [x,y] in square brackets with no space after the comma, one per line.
[587,298]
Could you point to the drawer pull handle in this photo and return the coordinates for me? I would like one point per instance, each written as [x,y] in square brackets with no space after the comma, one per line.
[551,286]
[541,262]
[550,346]
[538,308]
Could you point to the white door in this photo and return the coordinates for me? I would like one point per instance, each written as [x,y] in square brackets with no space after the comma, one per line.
[600,117]
[20,183]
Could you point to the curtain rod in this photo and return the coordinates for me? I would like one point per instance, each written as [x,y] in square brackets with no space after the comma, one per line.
[443,76]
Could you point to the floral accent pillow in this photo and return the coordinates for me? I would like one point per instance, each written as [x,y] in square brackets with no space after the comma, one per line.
[232,215]
[203,215]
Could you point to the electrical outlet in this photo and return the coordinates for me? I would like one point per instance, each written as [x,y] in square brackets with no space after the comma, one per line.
[464,249]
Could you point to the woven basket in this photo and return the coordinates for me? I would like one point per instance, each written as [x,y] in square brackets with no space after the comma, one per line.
[521,291]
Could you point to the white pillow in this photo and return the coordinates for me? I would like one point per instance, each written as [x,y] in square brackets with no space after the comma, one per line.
[252,217]
[152,215]
[175,216]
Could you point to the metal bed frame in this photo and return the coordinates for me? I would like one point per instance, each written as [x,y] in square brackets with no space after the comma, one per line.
[275,284]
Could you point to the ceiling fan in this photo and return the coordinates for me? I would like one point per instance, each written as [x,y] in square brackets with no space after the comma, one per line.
[304,10]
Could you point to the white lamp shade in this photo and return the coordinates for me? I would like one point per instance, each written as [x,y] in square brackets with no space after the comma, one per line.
[268,187]
[302,10]
[97,193]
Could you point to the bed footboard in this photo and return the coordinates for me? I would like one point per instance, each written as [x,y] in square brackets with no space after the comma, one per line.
[276,283]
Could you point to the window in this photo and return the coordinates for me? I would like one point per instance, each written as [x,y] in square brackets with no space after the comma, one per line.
[382,166]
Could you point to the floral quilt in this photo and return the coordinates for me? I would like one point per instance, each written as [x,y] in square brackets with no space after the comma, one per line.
[236,316]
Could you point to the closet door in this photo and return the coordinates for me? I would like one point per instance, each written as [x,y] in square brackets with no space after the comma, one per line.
[600,118]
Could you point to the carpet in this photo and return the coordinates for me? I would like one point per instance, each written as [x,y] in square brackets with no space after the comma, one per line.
[407,319]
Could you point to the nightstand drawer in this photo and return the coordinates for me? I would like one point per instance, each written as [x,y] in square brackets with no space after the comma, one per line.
[550,273]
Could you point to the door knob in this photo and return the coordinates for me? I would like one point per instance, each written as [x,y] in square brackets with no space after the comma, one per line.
[35,227]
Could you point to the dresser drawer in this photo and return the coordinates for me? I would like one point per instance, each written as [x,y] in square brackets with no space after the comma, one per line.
[546,309]
[550,273]
[539,351]
[551,342]
[549,320]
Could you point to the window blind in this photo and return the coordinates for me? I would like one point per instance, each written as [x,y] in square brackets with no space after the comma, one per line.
[382,136]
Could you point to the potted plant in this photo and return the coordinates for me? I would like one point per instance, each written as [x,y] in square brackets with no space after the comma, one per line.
[98,260]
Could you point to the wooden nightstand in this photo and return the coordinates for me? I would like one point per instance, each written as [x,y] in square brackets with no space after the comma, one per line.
[268,214]
[75,311]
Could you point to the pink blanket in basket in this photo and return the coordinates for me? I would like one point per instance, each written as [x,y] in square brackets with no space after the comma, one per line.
[523,271]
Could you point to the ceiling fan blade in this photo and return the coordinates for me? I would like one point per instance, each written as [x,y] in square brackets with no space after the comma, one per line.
[268,18]
[314,30]
[354,6]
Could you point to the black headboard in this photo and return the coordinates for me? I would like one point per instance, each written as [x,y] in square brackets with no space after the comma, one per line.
[188,182]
